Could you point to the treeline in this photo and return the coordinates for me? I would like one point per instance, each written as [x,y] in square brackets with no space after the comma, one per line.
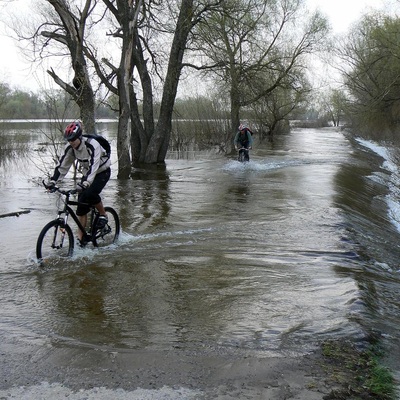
[57,105]
[202,110]
[19,104]
[198,121]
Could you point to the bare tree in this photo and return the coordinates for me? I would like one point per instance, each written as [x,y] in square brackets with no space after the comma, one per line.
[69,31]
[56,29]
[249,40]
[166,25]
[137,22]
[126,14]
[159,141]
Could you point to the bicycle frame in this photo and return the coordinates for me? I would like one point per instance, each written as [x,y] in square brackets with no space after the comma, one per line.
[68,211]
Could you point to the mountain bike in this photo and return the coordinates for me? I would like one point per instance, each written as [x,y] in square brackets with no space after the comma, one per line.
[243,155]
[56,238]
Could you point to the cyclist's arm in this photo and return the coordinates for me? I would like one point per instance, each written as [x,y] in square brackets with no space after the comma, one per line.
[64,164]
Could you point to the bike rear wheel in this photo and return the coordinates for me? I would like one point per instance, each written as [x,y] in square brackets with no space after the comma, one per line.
[55,241]
[109,234]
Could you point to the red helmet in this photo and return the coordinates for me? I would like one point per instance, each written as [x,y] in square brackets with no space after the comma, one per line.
[73,131]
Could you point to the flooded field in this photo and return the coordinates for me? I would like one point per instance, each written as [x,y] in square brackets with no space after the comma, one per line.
[266,258]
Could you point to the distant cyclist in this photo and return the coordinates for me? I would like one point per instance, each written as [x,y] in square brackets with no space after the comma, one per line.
[94,164]
[243,140]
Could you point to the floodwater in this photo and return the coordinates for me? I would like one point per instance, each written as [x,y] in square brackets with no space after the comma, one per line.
[270,257]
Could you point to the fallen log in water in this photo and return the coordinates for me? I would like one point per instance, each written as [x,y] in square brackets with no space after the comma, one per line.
[15,213]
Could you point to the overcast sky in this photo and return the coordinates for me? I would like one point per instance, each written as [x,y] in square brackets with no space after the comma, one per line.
[341,13]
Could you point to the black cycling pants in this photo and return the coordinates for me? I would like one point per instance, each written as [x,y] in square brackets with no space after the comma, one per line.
[91,195]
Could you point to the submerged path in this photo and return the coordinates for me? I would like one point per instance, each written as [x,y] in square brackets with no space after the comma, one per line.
[227,280]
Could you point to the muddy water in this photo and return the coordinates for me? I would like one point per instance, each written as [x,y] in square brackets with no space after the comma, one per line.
[271,256]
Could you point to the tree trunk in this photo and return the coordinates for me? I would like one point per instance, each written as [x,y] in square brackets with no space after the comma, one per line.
[235,112]
[141,133]
[124,160]
[84,98]
[125,71]
[158,145]
[235,102]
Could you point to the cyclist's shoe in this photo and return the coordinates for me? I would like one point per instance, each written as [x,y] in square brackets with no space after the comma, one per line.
[82,242]
[102,222]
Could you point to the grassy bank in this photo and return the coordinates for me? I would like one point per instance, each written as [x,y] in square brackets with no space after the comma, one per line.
[356,373]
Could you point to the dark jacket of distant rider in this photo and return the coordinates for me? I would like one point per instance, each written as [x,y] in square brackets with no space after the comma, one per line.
[243,138]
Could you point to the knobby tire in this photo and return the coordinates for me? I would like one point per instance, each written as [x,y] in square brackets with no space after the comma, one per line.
[109,234]
[55,240]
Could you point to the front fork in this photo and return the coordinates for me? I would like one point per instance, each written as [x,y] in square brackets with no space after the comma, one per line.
[63,223]
[63,220]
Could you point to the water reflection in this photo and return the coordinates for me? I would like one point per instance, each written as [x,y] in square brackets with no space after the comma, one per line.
[12,149]
[144,201]
[79,297]
[239,191]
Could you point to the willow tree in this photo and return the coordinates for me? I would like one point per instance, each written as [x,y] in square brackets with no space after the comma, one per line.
[332,105]
[271,114]
[150,137]
[370,64]
[256,46]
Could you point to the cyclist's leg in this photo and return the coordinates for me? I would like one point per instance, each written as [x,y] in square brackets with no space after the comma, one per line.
[92,194]
[81,212]
[100,182]
[83,221]
[100,208]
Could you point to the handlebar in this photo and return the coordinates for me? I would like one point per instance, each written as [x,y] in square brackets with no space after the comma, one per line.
[53,189]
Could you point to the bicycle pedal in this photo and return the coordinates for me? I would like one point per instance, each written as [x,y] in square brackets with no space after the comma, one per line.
[106,229]
[82,242]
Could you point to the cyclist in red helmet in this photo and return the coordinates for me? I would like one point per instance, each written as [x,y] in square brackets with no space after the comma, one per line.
[94,164]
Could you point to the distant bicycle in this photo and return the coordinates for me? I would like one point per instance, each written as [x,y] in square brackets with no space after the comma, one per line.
[56,238]
[244,154]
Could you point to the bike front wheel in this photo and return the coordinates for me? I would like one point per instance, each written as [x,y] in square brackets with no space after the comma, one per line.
[109,234]
[55,241]
[243,155]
